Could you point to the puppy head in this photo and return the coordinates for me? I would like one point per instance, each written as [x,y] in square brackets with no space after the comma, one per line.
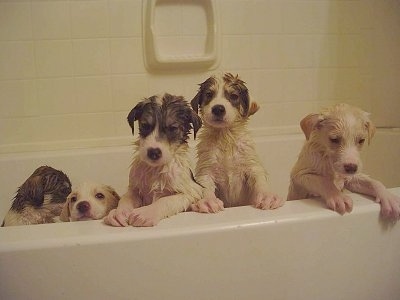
[45,186]
[164,126]
[90,201]
[340,131]
[223,101]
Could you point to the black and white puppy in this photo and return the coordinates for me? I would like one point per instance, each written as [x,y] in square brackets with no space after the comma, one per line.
[161,183]
[228,166]
[40,198]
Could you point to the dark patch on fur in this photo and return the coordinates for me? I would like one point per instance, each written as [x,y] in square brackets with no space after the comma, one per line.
[208,90]
[44,181]
[173,116]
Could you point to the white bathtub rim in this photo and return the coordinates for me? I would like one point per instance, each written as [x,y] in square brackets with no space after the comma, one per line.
[20,238]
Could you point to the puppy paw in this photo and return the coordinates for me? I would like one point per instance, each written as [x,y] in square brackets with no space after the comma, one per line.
[117,218]
[144,216]
[390,206]
[208,205]
[340,203]
[267,200]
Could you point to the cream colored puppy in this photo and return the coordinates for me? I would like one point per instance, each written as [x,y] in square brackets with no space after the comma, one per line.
[330,161]
[228,166]
[89,201]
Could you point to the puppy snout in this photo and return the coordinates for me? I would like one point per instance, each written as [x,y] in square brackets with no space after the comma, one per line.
[218,110]
[350,168]
[154,153]
[83,206]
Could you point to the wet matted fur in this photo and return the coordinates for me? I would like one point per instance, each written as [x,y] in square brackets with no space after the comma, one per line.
[40,198]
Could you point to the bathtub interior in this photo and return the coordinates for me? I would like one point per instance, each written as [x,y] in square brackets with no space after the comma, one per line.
[110,165]
[300,251]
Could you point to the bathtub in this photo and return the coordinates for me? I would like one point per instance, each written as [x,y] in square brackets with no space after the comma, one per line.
[300,251]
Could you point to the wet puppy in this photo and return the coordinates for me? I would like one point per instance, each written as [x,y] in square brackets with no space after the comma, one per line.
[228,166]
[40,198]
[330,161]
[161,183]
[90,201]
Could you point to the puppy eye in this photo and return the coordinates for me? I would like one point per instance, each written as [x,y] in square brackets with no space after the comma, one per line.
[73,199]
[335,140]
[234,97]
[99,196]
[145,127]
[361,141]
[173,128]
[209,95]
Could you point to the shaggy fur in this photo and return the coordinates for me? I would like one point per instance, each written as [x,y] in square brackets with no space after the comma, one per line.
[330,162]
[228,166]
[89,201]
[40,198]
[161,183]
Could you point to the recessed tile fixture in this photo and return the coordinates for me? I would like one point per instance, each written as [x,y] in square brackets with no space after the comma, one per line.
[180,35]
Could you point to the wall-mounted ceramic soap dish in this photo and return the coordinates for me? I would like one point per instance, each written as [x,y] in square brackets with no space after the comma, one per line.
[176,48]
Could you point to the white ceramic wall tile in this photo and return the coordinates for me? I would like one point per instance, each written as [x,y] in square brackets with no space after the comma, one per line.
[91,56]
[126,56]
[51,20]
[54,58]
[67,65]
[56,96]
[125,18]
[17,60]
[89,19]
[15,21]
[23,96]
[93,94]
[127,90]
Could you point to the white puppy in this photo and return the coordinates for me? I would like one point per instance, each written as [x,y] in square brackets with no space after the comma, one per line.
[330,161]
[89,201]
[228,166]
[161,183]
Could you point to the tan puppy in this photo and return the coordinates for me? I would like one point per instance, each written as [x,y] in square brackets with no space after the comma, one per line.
[90,201]
[228,166]
[330,161]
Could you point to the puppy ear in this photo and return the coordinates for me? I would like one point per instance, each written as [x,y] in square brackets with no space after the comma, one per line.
[196,121]
[196,102]
[370,129]
[135,114]
[254,107]
[32,190]
[115,197]
[245,103]
[65,213]
[310,122]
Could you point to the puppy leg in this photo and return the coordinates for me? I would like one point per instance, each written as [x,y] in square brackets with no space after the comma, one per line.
[119,216]
[324,187]
[390,204]
[164,207]
[262,198]
[209,203]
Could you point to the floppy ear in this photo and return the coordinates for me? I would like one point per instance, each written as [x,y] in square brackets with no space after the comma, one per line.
[32,189]
[114,194]
[254,107]
[196,102]
[196,121]
[370,128]
[65,213]
[310,122]
[135,114]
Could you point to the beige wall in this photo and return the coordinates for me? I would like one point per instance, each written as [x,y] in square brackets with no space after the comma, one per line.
[70,71]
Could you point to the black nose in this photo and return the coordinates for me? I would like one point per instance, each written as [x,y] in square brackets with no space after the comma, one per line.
[83,206]
[350,168]
[218,110]
[154,153]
